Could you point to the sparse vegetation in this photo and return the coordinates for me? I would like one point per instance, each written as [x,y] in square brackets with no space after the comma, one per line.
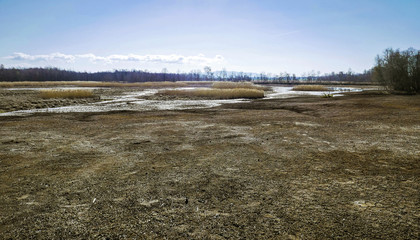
[66,94]
[243,85]
[310,88]
[216,93]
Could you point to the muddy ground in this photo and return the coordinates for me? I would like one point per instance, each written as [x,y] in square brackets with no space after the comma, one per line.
[301,168]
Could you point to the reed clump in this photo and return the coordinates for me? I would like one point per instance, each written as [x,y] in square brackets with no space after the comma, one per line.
[162,84]
[93,84]
[310,88]
[32,84]
[137,84]
[216,93]
[79,93]
[243,85]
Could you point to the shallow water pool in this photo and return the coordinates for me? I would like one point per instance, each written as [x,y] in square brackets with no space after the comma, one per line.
[132,101]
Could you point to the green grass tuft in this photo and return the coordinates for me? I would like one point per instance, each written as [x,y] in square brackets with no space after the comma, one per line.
[327,95]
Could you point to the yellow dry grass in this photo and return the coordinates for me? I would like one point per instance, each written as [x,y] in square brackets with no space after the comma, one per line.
[79,93]
[310,88]
[26,84]
[243,85]
[162,84]
[94,84]
[216,93]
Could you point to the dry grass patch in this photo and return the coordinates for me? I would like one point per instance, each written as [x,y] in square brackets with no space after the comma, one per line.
[138,84]
[216,93]
[66,94]
[310,88]
[243,85]
[34,84]
[94,84]
[163,84]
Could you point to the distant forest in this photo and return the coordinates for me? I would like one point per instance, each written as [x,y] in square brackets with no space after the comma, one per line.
[55,74]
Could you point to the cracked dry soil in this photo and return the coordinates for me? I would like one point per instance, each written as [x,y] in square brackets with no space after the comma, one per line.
[301,168]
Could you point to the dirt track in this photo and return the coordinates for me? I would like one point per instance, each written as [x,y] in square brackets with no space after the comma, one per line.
[301,168]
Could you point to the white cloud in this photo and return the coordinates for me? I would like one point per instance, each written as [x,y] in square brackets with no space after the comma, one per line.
[173,58]
[49,57]
[91,57]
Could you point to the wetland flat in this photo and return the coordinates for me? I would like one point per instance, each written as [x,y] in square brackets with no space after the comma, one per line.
[296,168]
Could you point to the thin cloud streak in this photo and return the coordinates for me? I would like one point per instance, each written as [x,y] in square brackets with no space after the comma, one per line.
[171,59]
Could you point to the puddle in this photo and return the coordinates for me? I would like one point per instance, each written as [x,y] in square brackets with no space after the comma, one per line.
[128,104]
[287,92]
[130,101]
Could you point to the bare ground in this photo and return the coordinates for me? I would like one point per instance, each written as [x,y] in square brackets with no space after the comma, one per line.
[301,168]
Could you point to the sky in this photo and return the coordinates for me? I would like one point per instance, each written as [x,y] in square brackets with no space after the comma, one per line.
[294,36]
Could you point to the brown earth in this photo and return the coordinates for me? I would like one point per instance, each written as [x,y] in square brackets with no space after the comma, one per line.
[302,168]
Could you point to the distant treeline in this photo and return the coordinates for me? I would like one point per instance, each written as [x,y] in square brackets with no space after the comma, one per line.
[340,77]
[55,74]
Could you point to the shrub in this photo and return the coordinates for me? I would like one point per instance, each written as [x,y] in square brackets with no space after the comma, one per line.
[66,94]
[310,88]
[399,71]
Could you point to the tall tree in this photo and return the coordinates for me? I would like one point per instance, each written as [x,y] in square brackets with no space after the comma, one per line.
[399,70]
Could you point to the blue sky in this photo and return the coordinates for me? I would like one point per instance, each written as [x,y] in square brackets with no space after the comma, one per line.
[297,36]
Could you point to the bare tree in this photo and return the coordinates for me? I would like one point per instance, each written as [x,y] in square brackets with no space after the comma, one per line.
[224,74]
[164,73]
[208,72]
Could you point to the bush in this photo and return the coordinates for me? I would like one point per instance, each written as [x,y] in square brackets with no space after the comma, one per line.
[399,71]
